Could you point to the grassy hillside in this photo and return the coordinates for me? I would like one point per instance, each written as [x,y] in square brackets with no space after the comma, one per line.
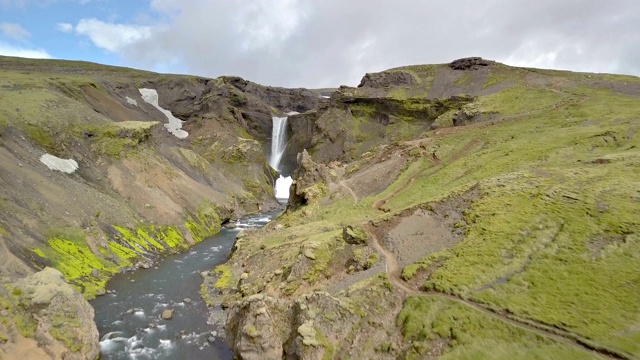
[138,190]
[514,233]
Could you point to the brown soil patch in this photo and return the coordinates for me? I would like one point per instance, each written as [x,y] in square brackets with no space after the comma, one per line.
[601,242]
[107,105]
[377,177]
[449,82]
[417,232]
[157,188]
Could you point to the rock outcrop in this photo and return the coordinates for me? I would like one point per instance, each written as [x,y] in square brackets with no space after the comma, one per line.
[309,181]
[254,328]
[263,327]
[286,100]
[387,79]
[470,63]
[54,315]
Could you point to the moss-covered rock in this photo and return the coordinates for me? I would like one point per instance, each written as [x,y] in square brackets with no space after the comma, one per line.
[354,235]
[44,307]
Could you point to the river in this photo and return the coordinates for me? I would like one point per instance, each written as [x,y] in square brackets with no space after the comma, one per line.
[129,319]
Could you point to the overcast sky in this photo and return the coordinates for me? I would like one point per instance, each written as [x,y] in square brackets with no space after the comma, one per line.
[323,43]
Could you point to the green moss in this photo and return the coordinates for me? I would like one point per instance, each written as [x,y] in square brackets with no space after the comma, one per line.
[253,331]
[76,261]
[134,241]
[117,139]
[398,93]
[358,255]
[496,78]
[473,335]
[141,239]
[204,223]
[123,253]
[355,234]
[38,252]
[19,310]
[24,322]
[62,328]
[552,234]
[144,234]
[171,236]
[323,255]
[329,349]
[206,295]
[291,287]
[372,260]
[196,161]
[70,253]
[224,276]
[41,137]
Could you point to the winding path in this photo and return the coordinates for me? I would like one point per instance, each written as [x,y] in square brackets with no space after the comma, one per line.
[353,194]
[571,339]
[393,269]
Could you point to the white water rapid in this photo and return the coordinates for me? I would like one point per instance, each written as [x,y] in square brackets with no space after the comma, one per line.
[278,144]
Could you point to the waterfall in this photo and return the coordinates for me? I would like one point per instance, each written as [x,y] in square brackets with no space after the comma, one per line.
[278,143]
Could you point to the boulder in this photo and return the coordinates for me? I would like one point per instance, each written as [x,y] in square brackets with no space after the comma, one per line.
[253,332]
[354,235]
[310,181]
[77,336]
[167,314]
[386,79]
[470,63]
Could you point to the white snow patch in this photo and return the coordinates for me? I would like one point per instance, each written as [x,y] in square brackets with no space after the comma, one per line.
[132,101]
[292,113]
[68,166]
[326,97]
[174,126]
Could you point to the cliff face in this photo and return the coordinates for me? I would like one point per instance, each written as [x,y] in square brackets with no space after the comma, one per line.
[95,177]
[469,209]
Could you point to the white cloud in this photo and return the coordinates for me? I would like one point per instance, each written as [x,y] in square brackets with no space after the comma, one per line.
[64,27]
[112,37]
[331,42]
[9,50]
[14,31]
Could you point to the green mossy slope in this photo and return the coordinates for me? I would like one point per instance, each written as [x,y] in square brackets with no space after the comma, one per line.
[553,237]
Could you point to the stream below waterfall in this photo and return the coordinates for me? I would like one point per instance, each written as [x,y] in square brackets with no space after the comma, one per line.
[129,319]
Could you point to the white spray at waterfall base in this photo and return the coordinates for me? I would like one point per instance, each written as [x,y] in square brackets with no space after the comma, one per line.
[174,125]
[282,187]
